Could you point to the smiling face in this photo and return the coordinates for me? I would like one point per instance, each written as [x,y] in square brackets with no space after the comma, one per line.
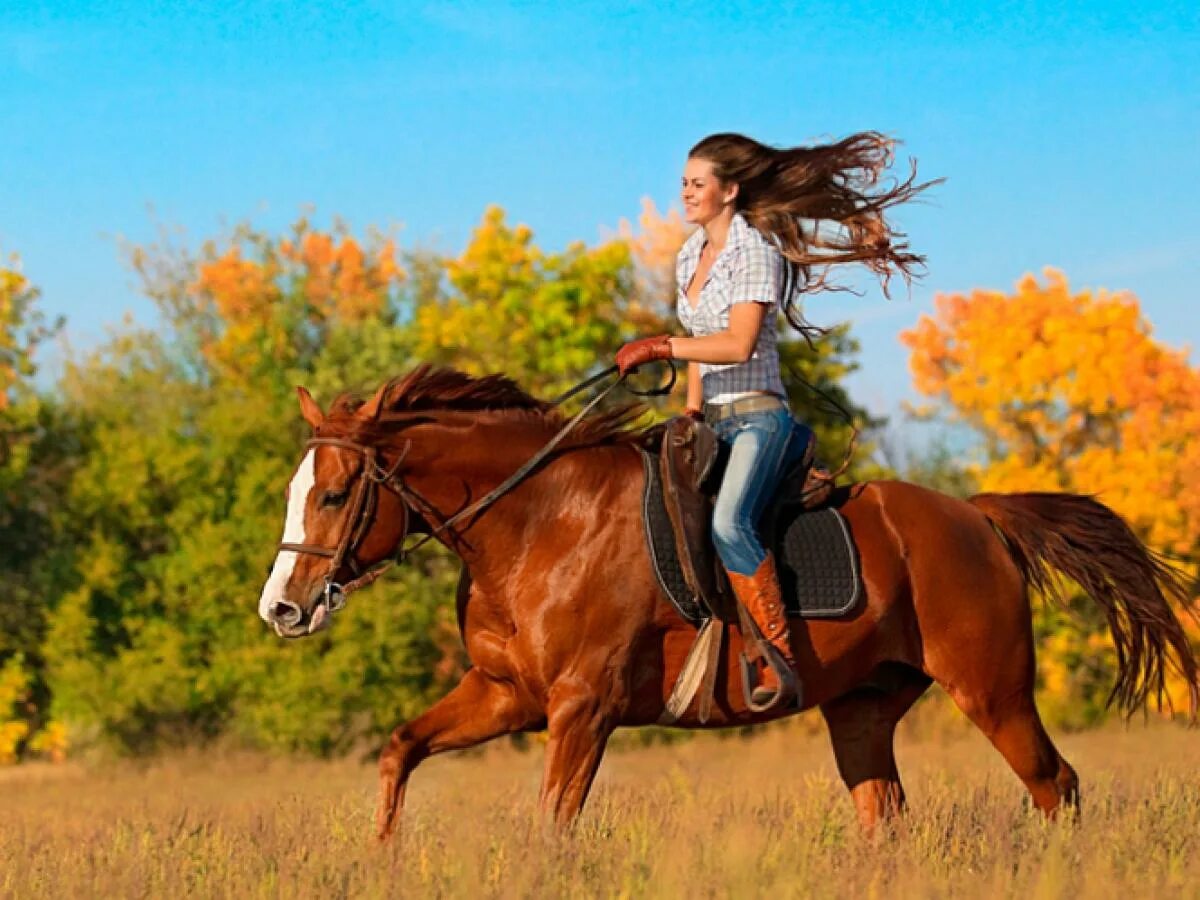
[704,196]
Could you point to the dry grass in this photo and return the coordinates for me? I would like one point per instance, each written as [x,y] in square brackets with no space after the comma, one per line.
[714,817]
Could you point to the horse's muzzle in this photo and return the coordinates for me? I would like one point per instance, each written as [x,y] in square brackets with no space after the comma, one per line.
[290,621]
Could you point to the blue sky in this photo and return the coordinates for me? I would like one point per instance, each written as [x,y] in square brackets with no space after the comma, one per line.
[1069,132]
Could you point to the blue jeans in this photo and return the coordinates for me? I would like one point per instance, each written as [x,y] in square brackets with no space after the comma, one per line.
[762,446]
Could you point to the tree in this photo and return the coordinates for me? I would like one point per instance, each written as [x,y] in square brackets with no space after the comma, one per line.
[34,448]
[189,436]
[506,305]
[1069,391]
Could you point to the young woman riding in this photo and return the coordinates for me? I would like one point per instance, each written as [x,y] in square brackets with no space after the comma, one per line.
[772,222]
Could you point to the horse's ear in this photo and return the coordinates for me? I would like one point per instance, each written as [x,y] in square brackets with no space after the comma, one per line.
[309,408]
[372,408]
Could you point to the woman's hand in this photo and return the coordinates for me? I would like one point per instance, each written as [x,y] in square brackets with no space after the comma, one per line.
[636,353]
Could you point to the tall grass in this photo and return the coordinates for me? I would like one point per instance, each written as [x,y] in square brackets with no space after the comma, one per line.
[714,817]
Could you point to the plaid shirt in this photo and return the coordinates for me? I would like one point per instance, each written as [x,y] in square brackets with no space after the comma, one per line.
[747,270]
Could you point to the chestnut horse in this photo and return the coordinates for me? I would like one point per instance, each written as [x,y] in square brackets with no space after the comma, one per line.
[567,629]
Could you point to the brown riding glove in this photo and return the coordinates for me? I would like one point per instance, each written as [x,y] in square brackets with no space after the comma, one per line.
[635,353]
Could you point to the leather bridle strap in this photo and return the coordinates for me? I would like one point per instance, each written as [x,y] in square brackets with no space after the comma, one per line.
[358,518]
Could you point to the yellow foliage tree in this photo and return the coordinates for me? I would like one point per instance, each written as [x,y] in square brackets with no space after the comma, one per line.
[654,246]
[546,318]
[22,328]
[1070,392]
[31,466]
[260,297]
[549,319]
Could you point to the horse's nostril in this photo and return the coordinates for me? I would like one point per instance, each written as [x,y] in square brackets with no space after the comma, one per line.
[287,614]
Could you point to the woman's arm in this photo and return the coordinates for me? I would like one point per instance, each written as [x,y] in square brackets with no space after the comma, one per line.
[733,345]
[755,279]
[695,388]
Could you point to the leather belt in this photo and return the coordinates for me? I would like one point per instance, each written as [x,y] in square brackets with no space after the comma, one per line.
[715,412]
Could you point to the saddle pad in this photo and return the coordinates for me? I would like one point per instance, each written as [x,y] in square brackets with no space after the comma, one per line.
[660,541]
[817,563]
[816,558]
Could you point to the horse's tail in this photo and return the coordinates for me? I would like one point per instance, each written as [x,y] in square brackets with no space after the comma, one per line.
[1093,546]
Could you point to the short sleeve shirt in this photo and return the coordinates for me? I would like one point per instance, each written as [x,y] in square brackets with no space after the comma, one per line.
[747,270]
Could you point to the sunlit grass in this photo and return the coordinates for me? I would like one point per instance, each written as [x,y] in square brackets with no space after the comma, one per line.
[717,816]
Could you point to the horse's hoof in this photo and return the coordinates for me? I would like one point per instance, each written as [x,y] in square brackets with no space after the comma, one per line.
[384,832]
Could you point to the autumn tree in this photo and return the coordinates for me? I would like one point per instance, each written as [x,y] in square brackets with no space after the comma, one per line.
[507,305]
[34,458]
[189,435]
[1070,391]
[654,244]
[23,328]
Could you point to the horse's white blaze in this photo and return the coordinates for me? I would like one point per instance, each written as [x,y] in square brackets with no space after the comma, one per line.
[293,533]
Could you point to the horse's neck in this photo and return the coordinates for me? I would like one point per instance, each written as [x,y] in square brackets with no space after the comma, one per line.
[459,471]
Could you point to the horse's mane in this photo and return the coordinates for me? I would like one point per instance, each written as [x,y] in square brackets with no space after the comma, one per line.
[430,388]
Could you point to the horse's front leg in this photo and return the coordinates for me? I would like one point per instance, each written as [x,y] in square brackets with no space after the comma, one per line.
[579,725]
[478,709]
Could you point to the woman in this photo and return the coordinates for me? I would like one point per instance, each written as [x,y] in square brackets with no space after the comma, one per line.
[772,223]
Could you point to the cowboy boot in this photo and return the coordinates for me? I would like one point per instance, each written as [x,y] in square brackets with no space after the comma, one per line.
[760,595]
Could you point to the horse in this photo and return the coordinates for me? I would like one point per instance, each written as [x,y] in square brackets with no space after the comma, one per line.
[567,629]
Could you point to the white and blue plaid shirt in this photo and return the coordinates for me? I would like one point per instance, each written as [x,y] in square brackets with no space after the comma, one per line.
[747,270]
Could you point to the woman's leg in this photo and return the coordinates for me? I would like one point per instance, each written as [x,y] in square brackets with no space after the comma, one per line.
[762,445]
[761,448]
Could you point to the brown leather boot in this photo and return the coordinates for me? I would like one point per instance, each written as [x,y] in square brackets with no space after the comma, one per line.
[760,595]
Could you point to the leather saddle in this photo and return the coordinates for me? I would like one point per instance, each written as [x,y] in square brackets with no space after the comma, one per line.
[690,463]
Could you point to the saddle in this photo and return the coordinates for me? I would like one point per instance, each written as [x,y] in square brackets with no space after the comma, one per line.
[690,465]
[815,552]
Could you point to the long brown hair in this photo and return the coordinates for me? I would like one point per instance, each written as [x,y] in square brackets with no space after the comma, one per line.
[789,194]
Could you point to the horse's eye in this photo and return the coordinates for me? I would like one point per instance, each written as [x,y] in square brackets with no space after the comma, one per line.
[334,499]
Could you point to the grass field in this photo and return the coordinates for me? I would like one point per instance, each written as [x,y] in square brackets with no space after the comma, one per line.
[715,817]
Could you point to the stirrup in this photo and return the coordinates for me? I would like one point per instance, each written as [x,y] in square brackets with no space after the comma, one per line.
[789,685]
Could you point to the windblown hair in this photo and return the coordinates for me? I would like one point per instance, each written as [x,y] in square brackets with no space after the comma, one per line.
[793,195]
[430,389]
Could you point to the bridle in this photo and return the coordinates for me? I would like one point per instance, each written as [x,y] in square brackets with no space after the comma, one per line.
[361,512]
[364,500]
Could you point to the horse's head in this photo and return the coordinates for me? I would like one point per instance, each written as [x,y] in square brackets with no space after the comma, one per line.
[354,496]
[342,519]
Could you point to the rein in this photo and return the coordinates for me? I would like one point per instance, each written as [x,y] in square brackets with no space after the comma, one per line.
[364,498]
[833,406]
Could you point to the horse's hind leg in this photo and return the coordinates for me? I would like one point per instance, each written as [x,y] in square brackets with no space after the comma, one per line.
[994,687]
[1014,727]
[476,710]
[862,726]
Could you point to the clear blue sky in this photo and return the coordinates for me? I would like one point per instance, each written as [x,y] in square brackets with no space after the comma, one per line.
[1069,132]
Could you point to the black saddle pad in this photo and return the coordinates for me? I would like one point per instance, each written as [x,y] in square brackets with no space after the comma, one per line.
[817,562]
[815,555]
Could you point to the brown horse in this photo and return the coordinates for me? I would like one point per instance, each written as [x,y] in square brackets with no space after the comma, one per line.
[567,630]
